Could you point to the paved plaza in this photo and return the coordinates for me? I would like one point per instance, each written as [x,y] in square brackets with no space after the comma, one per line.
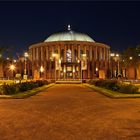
[69,112]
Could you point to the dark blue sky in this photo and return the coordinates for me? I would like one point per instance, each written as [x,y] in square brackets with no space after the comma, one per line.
[114,23]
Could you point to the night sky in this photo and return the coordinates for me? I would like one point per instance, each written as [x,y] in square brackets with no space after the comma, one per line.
[114,23]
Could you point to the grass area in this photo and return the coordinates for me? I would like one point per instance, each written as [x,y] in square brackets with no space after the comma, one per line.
[112,94]
[26,94]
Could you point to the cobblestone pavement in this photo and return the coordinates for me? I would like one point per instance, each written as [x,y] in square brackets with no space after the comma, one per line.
[69,112]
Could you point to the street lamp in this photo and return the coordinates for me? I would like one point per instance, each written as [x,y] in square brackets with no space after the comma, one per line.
[116,58]
[25,62]
[12,68]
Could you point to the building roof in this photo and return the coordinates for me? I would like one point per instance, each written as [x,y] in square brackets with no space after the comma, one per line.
[69,36]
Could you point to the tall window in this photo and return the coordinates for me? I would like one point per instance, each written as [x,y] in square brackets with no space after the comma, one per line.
[69,56]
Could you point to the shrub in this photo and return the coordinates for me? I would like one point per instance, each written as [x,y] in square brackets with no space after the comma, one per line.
[115,86]
[21,87]
[130,89]
[9,89]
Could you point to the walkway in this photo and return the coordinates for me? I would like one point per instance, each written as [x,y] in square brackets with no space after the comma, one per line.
[69,112]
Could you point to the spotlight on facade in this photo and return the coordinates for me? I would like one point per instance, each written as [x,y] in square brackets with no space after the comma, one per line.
[84,55]
[41,69]
[78,61]
[54,55]
[96,69]
[73,70]
[59,61]
[64,70]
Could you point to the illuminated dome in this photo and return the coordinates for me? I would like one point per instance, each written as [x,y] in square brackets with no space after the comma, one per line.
[69,36]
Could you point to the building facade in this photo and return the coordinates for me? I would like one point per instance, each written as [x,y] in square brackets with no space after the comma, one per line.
[69,55]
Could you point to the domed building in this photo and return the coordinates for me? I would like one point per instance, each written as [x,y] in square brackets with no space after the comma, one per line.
[69,55]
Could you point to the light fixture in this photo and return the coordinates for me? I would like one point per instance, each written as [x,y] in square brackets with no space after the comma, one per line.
[112,54]
[15,61]
[41,69]
[12,67]
[59,61]
[74,70]
[96,69]
[117,55]
[26,54]
[130,57]
[64,70]
[78,61]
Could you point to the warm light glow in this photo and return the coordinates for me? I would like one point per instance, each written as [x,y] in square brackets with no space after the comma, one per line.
[54,54]
[84,55]
[96,69]
[78,61]
[0,55]
[59,61]
[26,54]
[12,67]
[73,70]
[41,69]
[7,58]
[117,55]
[15,61]
[64,70]
[130,57]
[112,54]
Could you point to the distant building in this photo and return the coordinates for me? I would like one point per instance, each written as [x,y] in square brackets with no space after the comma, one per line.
[118,67]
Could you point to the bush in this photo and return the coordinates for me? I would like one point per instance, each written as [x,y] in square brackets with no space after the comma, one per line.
[9,89]
[128,89]
[21,87]
[114,85]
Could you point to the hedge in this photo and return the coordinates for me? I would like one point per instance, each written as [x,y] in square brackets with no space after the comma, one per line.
[114,85]
[9,89]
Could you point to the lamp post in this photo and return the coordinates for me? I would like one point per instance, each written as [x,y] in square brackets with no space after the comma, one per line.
[25,62]
[116,57]
[12,68]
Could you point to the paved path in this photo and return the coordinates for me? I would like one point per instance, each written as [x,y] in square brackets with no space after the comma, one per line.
[69,112]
